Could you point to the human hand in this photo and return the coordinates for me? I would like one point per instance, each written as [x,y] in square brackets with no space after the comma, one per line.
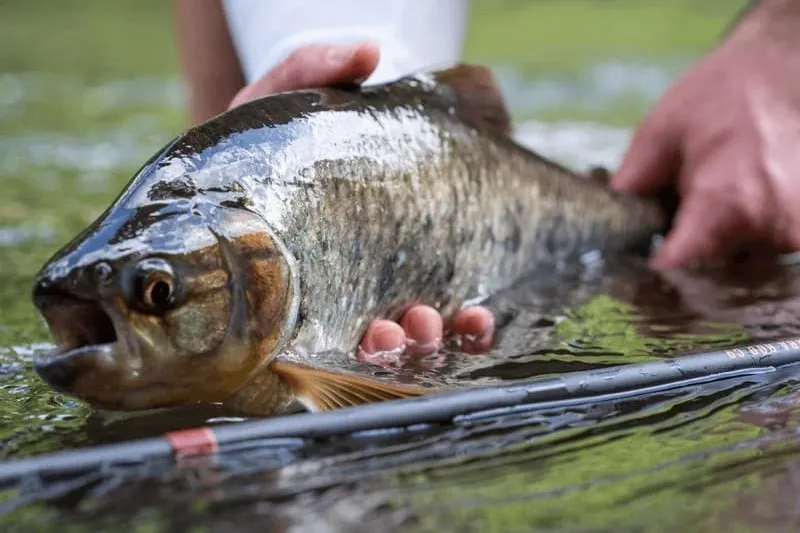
[727,133]
[316,65]
[421,329]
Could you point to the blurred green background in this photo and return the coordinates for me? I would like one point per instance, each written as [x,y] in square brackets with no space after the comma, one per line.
[97,39]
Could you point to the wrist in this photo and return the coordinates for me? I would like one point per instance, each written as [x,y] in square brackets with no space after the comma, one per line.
[766,43]
[772,22]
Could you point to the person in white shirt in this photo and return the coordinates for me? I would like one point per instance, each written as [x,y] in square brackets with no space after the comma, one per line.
[725,134]
[229,44]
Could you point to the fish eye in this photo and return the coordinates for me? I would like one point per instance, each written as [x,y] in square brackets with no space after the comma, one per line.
[103,273]
[153,286]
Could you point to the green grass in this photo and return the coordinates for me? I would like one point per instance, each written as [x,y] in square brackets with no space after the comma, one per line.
[102,39]
[622,112]
[564,36]
[94,39]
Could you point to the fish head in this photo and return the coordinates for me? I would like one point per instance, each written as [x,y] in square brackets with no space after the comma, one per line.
[165,305]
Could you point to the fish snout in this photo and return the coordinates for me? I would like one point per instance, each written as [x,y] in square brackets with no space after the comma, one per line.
[86,283]
[46,292]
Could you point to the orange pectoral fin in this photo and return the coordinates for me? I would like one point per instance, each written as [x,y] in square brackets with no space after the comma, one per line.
[322,390]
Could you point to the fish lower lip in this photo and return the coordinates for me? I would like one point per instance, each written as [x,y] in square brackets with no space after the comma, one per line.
[56,356]
[61,371]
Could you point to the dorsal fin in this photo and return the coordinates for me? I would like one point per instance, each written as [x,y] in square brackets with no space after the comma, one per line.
[479,101]
[601,175]
[323,390]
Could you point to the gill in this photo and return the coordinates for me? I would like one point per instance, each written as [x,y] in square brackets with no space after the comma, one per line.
[239,301]
[239,316]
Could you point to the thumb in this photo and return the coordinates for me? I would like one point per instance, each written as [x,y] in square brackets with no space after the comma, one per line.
[316,65]
[653,157]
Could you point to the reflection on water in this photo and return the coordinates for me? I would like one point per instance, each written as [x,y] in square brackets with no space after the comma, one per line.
[705,458]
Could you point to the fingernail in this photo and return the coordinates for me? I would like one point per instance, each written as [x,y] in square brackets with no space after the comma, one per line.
[427,342]
[383,336]
[472,344]
[385,358]
[423,346]
[341,55]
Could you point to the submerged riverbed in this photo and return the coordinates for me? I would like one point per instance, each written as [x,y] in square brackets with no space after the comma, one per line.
[76,121]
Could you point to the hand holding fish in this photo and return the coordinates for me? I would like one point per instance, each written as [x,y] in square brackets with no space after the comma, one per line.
[314,66]
[421,329]
[727,134]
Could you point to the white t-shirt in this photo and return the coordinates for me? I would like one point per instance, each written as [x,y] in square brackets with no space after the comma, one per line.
[413,35]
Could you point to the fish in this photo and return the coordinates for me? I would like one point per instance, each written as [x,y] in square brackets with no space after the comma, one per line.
[244,261]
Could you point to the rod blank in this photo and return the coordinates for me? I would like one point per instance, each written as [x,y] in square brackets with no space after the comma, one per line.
[578,387]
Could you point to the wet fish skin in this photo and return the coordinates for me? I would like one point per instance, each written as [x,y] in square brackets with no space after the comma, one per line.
[316,212]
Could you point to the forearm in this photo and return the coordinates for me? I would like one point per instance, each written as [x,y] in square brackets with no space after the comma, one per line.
[207,56]
[773,22]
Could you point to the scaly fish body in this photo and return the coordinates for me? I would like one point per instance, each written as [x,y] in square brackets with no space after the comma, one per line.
[280,229]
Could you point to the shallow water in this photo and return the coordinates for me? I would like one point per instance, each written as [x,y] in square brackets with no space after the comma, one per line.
[714,457]
[701,458]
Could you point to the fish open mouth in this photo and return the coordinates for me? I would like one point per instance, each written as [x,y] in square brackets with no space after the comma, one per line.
[84,335]
[76,324]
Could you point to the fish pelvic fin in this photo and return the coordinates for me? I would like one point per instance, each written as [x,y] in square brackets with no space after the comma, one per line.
[479,101]
[322,390]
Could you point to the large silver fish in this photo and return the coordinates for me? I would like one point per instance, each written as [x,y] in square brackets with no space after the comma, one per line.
[255,245]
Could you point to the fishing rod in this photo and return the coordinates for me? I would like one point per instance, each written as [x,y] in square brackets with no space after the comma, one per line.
[617,382]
